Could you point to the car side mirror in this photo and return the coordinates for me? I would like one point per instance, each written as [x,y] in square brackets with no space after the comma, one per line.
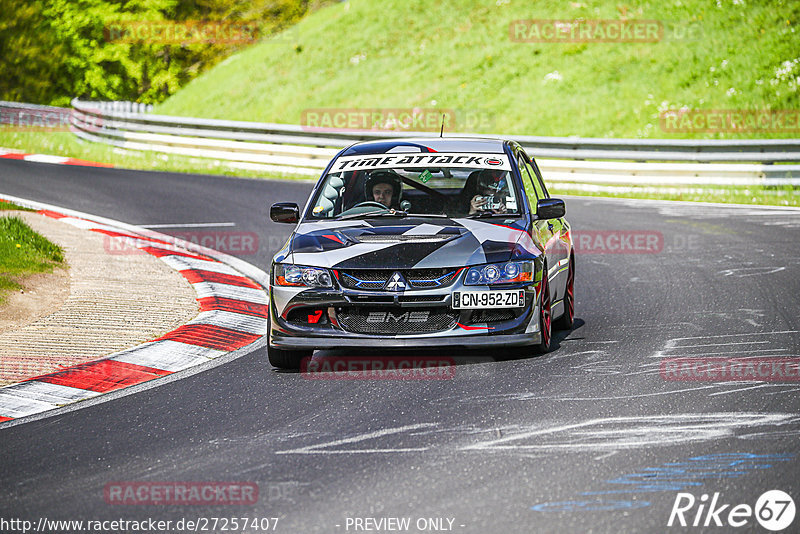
[550,208]
[284,212]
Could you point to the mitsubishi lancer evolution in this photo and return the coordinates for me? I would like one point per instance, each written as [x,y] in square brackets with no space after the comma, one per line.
[430,242]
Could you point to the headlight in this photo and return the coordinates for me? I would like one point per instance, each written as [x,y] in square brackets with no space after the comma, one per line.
[301,276]
[500,273]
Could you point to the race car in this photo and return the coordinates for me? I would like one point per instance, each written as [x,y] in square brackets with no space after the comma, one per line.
[418,243]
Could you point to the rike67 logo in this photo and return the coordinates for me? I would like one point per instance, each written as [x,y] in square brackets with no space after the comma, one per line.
[774,510]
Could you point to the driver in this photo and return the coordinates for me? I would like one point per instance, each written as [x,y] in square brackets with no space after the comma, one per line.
[492,190]
[383,187]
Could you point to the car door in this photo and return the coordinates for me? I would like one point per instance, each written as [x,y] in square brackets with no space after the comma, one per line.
[541,230]
[556,252]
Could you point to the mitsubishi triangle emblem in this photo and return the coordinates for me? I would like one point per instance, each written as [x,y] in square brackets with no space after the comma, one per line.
[396,282]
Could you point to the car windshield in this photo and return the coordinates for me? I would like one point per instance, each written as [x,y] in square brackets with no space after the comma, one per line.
[399,185]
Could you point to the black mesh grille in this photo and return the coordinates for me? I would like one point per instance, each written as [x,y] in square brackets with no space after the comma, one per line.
[427,298]
[375,279]
[355,283]
[396,320]
[428,278]
[492,316]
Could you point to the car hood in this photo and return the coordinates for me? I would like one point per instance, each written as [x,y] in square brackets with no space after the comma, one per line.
[409,243]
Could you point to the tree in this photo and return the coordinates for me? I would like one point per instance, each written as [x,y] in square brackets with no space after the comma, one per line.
[53,50]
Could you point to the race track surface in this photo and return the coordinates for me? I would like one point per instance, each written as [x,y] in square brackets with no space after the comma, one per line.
[591,437]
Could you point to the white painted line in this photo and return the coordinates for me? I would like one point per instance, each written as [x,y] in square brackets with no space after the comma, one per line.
[188,225]
[44,158]
[633,432]
[48,393]
[783,391]
[167,355]
[760,353]
[80,223]
[739,272]
[315,449]
[183,263]
[214,289]
[234,321]
[603,456]
[718,344]
[759,386]
[15,406]
[90,225]
[736,335]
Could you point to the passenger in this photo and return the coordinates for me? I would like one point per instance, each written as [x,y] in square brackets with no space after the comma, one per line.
[491,192]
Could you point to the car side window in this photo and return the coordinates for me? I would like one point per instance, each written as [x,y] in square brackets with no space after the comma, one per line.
[537,180]
[527,182]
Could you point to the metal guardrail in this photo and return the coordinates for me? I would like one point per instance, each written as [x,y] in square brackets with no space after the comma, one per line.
[123,106]
[746,150]
[304,150]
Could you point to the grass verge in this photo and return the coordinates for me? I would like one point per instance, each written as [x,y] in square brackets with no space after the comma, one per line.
[68,145]
[23,252]
[751,194]
[10,206]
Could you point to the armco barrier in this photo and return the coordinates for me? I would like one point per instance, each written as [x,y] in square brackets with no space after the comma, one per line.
[300,150]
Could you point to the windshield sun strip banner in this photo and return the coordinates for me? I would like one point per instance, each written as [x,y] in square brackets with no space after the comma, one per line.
[416,160]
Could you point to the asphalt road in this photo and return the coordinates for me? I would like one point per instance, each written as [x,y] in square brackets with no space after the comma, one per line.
[589,438]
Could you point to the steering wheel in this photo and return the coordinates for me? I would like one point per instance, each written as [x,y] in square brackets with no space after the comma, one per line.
[370,203]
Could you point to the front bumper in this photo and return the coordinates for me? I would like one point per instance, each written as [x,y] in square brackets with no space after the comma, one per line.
[412,319]
[468,341]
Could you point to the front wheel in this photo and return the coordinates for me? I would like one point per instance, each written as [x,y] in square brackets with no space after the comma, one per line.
[545,316]
[565,321]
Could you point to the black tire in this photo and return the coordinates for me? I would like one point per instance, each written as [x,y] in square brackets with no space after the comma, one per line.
[287,359]
[566,321]
[545,316]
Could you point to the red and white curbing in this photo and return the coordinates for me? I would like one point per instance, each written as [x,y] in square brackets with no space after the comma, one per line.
[46,158]
[233,312]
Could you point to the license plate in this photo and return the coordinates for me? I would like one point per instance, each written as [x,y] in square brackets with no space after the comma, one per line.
[476,300]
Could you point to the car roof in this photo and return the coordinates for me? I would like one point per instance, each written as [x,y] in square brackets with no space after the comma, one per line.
[428,144]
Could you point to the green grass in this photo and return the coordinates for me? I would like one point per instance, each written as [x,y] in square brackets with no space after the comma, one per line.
[10,206]
[458,55]
[68,145]
[23,252]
